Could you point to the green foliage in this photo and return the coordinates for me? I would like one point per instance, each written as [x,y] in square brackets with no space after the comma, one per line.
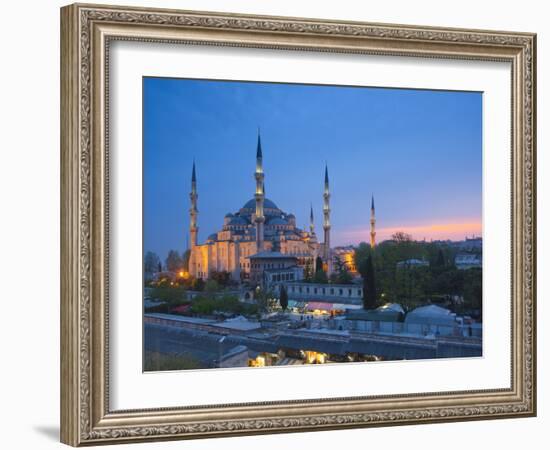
[283,298]
[412,286]
[369,284]
[440,262]
[155,361]
[473,290]
[198,284]
[223,278]
[341,274]
[449,282]
[173,295]
[211,286]
[320,277]
[362,252]
[263,299]
[318,264]
[308,270]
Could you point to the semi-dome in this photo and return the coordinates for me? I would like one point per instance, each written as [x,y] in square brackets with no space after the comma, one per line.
[251,204]
[229,215]
[237,220]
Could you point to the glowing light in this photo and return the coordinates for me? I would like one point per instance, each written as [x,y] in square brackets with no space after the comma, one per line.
[259,361]
[312,357]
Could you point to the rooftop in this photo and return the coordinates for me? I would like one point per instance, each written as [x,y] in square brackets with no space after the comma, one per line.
[271,255]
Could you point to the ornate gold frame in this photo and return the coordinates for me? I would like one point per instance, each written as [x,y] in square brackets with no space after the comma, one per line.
[86,31]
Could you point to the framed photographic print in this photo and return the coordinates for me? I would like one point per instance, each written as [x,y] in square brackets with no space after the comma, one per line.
[276,224]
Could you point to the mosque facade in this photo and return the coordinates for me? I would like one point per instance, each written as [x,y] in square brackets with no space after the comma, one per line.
[260,227]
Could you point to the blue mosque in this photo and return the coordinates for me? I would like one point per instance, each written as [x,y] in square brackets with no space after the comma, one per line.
[259,236]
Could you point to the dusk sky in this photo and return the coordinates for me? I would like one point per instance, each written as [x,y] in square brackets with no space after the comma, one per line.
[418,151]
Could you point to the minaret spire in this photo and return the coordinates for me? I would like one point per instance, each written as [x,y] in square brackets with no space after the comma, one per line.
[326,222]
[311,222]
[372,224]
[260,195]
[193,211]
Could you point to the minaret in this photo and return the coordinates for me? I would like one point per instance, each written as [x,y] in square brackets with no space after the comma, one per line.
[311,223]
[193,228]
[372,224]
[259,177]
[326,222]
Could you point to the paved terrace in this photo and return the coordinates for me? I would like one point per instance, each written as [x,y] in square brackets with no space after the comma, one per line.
[332,342]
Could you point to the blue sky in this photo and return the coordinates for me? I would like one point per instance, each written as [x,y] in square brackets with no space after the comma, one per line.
[418,151]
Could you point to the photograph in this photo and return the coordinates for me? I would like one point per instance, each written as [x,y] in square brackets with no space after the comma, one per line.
[290,224]
[288,220]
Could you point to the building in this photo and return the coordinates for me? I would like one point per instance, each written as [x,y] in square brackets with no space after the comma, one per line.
[258,228]
[346,254]
[475,243]
[271,268]
[432,319]
[467,261]
[413,262]
[341,293]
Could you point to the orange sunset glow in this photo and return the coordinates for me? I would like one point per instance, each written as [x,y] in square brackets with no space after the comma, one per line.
[455,230]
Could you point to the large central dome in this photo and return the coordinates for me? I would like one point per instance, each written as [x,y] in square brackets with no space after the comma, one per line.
[251,204]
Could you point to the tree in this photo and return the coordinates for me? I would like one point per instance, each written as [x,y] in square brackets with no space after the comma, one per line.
[440,262]
[449,282]
[473,290]
[198,284]
[369,284]
[341,275]
[173,295]
[320,277]
[263,299]
[283,298]
[174,263]
[211,285]
[401,237]
[362,251]
[308,270]
[318,264]
[223,277]
[320,274]
[150,265]
[151,262]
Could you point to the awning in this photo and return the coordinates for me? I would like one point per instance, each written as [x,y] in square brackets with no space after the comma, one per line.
[296,304]
[312,306]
